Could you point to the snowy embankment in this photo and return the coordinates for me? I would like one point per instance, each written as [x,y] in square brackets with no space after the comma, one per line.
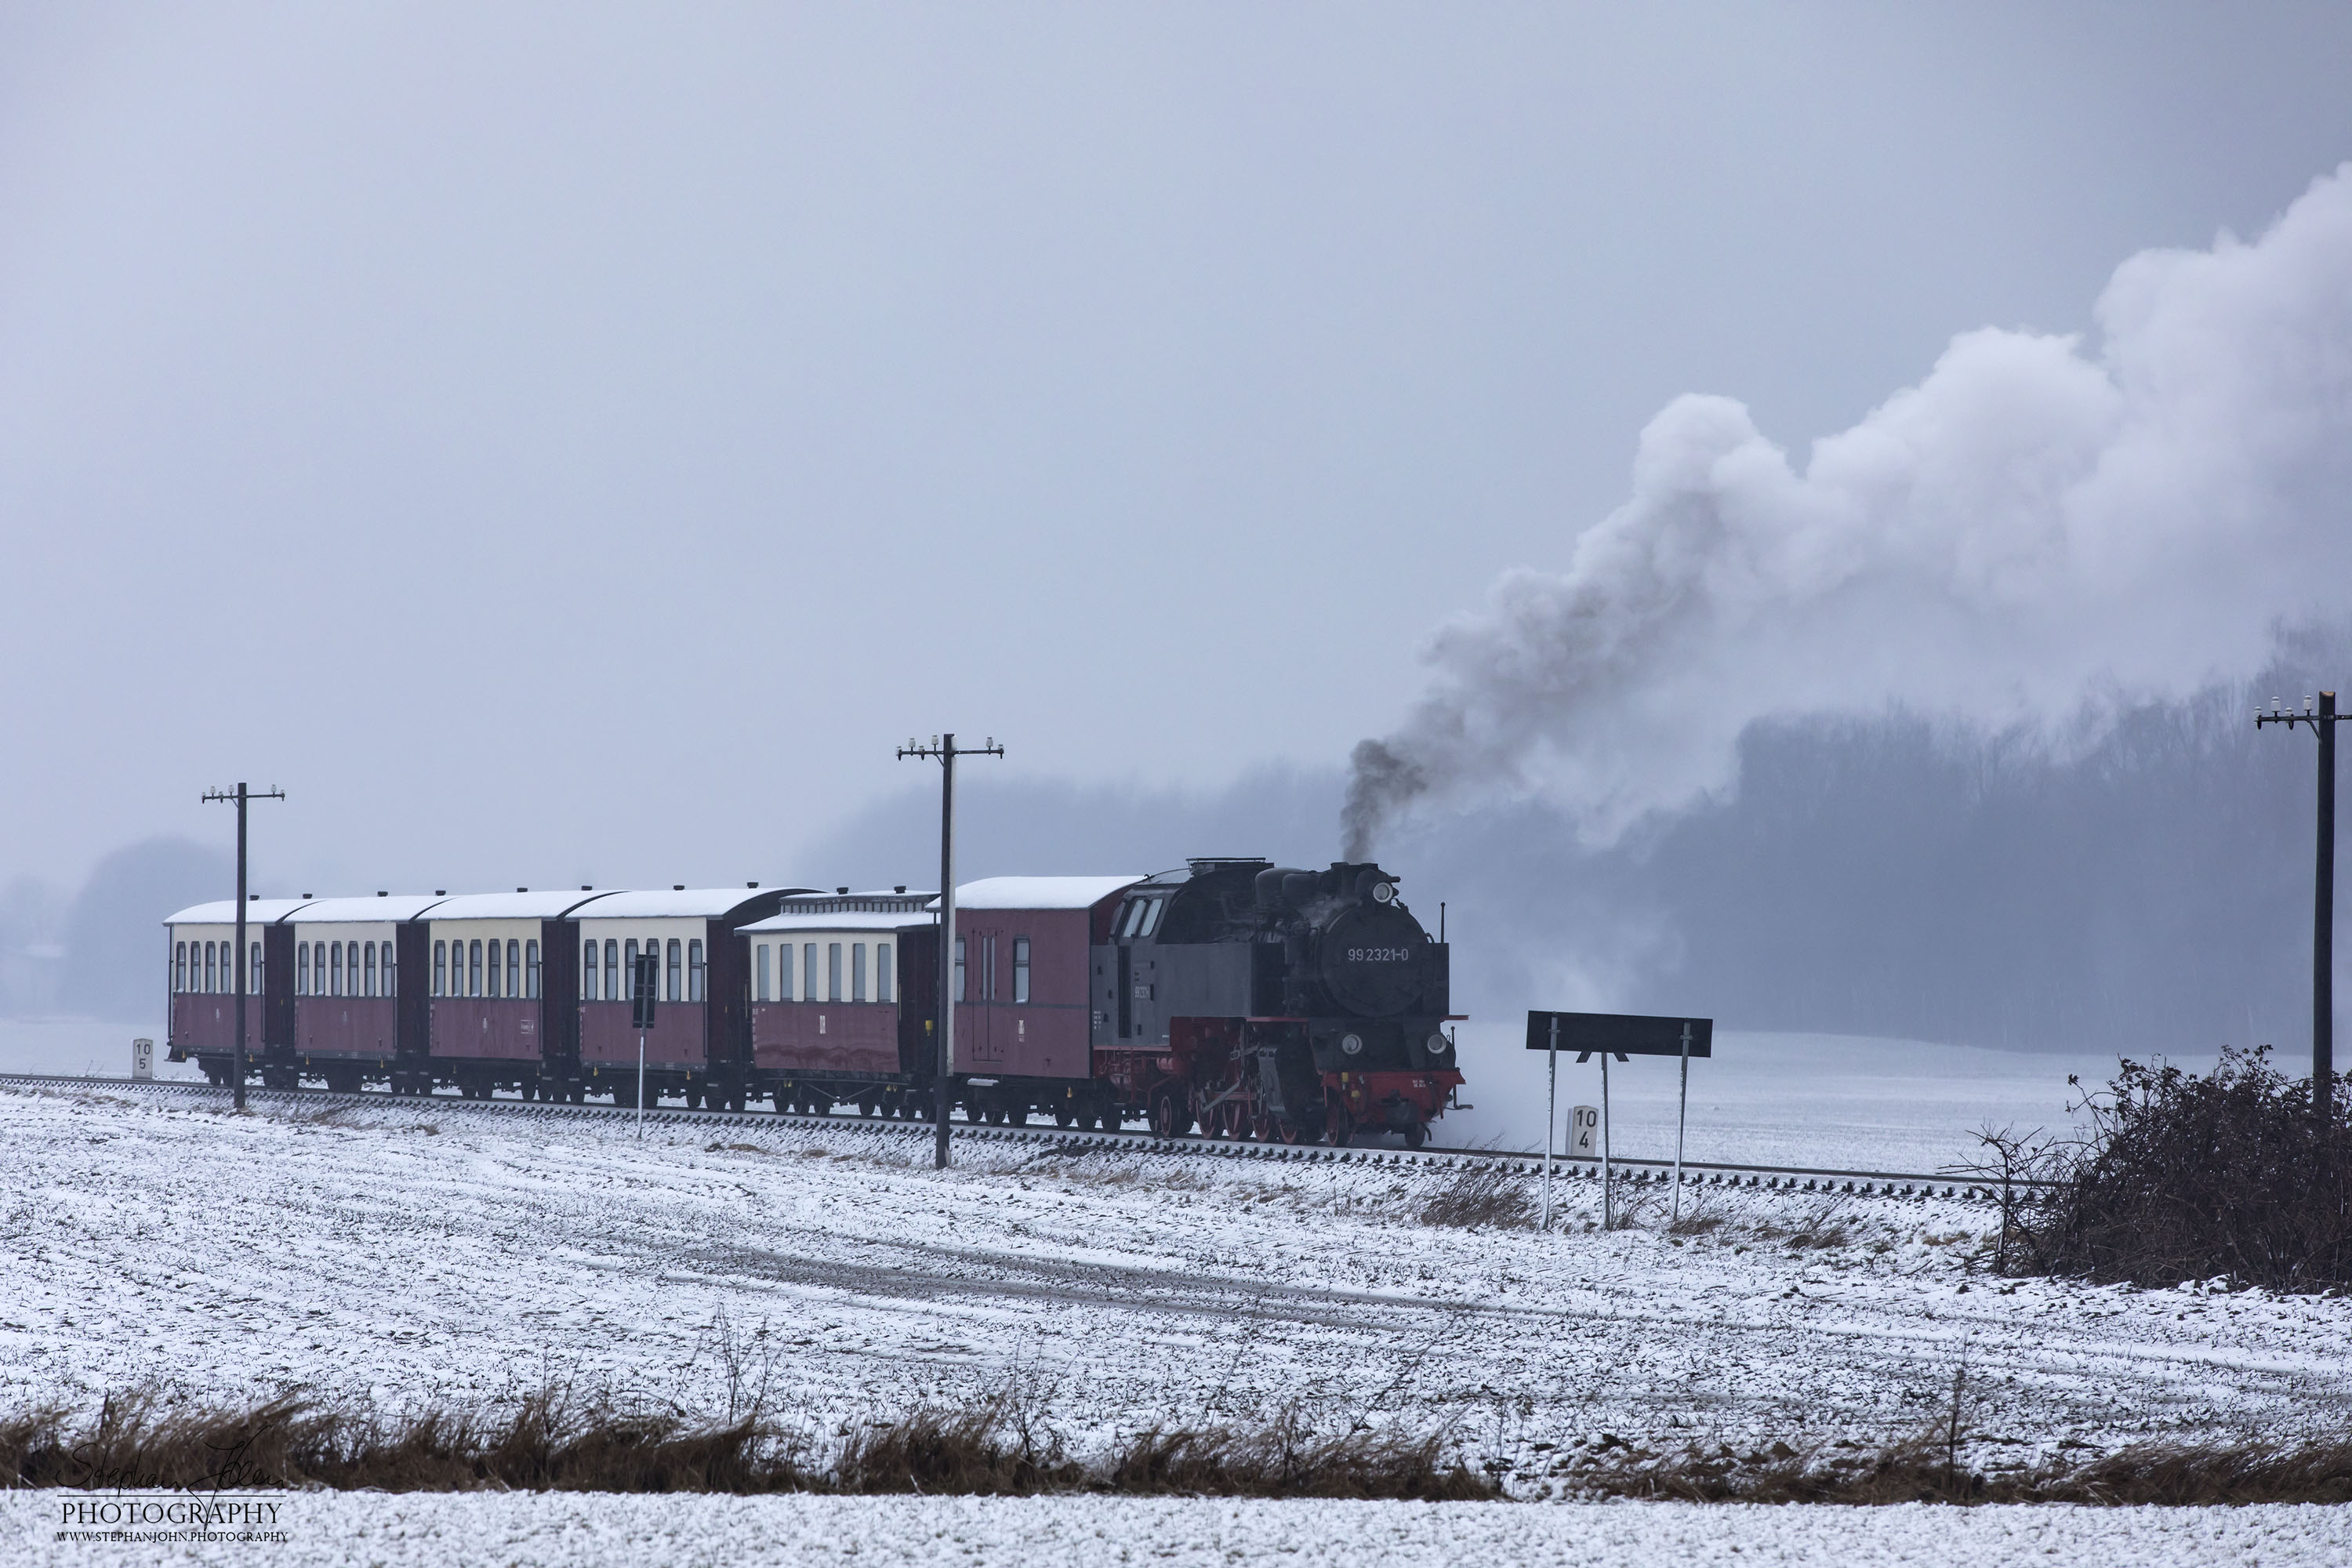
[406,1254]
[540,1531]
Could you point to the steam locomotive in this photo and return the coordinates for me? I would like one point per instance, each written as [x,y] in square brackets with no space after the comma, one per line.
[1253,1000]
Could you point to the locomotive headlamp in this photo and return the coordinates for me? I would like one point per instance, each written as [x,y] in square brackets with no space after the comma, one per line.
[1351,1044]
[1438,1045]
[1384,891]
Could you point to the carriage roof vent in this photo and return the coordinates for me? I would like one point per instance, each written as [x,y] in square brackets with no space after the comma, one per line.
[841,889]
[899,889]
[750,884]
[677,887]
[523,889]
[381,894]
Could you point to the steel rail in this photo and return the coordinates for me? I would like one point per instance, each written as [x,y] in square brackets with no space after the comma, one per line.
[1781,1178]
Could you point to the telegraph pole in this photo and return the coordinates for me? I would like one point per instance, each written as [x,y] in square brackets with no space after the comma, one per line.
[2323,724]
[241,797]
[944,748]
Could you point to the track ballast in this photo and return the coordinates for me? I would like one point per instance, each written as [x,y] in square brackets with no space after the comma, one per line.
[1698,1173]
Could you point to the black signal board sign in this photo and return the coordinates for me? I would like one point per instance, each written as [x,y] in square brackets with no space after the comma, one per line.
[1621,1034]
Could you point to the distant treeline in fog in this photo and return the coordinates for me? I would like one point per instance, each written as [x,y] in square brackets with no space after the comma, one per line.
[2151,894]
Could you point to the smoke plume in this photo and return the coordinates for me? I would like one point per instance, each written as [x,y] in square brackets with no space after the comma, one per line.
[2037,536]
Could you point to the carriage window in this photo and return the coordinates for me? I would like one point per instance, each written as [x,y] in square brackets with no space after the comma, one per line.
[694,975]
[672,992]
[857,972]
[833,972]
[253,970]
[179,966]
[514,967]
[588,970]
[759,974]
[1021,969]
[882,971]
[369,953]
[389,989]
[530,971]
[959,968]
[808,972]
[301,969]
[207,985]
[612,971]
[1151,920]
[474,968]
[497,969]
[440,969]
[334,969]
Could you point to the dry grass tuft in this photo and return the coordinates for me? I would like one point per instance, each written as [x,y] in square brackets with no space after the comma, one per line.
[547,1443]
[1482,1192]
[998,1448]
[1288,1459]
[1923,1470]
[553,1441]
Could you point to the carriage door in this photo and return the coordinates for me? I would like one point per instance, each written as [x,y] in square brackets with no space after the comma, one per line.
[980,986]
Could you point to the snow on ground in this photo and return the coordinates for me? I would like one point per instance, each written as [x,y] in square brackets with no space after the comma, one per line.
[528,1530]
[405,1253]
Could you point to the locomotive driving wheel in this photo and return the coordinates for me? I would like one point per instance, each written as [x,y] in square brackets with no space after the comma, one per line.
[1168,1118]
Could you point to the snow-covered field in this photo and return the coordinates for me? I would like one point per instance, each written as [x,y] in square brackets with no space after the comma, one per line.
[82,1046]
[1786,1099]
[526,1530]
[407,1254]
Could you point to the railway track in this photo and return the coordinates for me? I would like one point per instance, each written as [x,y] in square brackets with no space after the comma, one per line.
[1917,1185]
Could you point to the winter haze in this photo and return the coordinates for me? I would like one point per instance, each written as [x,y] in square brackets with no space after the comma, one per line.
[1780,513]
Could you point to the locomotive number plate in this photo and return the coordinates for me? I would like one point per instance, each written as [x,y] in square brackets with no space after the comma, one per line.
[1378,954]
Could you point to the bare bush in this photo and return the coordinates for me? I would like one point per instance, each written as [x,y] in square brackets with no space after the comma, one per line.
[2184,1177]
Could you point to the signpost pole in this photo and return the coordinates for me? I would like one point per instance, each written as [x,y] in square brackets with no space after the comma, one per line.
[1551,1120]
[1681,1119]
[1608,1210]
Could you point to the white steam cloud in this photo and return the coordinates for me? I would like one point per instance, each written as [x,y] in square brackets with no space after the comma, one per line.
[2035,536]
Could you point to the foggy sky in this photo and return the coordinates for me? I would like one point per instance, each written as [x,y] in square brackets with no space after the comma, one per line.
[568,444]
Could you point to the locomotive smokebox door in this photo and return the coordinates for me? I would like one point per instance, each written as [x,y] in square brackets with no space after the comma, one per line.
[1371,957]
